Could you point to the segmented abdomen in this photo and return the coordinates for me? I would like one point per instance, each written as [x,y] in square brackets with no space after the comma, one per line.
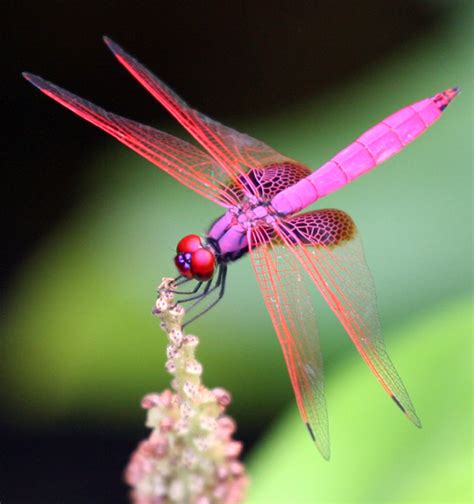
[372,148]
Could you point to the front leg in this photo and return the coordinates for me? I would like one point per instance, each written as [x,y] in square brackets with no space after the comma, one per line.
[221,280]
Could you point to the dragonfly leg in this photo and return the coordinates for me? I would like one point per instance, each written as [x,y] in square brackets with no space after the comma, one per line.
[196,288]
[220,283]
[180,280]
[202,294]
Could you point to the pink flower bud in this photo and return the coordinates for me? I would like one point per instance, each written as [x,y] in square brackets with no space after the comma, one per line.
[226,426]
[233,449]
[190,389]
[203,499]
[222,472]
[190,455]
[196,483]
[193,367]
[160,306]
[181,427]
[177,491]
[176,336]
[208,423]
[190,341]
[220,492]
[171,352]
[177,311]
[237,468]
[159,445]
[170,366]
[201,443]
[166,425]
[168,295]
[185,410]
[149,401]
[166,398]
[223,397]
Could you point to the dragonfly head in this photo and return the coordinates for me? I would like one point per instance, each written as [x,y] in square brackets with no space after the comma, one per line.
[194,259]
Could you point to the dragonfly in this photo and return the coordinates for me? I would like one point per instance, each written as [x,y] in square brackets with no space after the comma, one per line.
[262,194]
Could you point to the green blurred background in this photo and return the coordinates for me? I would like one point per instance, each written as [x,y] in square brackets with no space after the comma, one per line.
[91,228]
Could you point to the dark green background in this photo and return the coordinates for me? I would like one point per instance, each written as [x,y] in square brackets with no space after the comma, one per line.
[80,348]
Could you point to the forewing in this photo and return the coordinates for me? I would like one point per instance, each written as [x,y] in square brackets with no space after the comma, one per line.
[186,163]
[235,152]
[326,243]
[283,285]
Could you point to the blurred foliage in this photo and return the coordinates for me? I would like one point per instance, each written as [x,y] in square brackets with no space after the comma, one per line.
[377,455]
[79,339]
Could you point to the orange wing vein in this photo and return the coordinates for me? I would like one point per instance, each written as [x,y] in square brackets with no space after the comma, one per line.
[333,258]
[285,292]
[235,152]
[189,165]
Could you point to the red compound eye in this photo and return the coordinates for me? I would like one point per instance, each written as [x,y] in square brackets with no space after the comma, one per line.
[203,262]
[193,259]
[189,243]
[184,265]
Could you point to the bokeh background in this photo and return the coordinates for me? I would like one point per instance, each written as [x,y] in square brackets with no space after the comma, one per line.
[89,229]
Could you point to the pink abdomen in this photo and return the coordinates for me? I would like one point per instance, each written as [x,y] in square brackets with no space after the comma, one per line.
[372,148]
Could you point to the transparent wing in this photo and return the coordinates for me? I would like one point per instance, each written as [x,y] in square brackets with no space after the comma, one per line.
[283,285]
[327,245]
[186,163]
[235,152]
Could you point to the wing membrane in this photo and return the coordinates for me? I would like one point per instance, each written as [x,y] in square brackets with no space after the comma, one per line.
[283,286]
[334,260]
[186,163]
[234,151]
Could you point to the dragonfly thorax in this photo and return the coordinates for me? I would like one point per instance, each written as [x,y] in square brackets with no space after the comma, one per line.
[194,259]
[251,214]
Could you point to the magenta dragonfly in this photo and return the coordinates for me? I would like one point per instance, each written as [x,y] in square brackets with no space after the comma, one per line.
[262,192]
